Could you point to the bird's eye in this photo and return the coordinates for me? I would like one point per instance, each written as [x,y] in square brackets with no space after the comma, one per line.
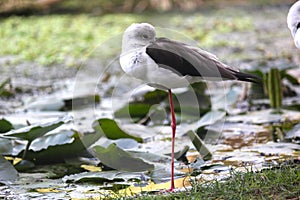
[145,36]
[298,25]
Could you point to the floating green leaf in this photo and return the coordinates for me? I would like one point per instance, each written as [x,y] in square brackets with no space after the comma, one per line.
[34,131]
[71,146]
[5,126]
[46,104]
[63,103]
[112,130]
[81,101]
[119,159]
[200,145]
[59,138]
[141,103]
[133,110]
[104,176]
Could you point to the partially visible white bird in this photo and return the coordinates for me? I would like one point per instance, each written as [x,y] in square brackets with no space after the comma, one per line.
[293,21]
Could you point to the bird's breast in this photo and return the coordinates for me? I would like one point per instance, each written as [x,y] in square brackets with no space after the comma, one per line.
[134,64]
[143,67]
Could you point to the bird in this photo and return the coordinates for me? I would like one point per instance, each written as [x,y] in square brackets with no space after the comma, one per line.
[293,22]
[169,64]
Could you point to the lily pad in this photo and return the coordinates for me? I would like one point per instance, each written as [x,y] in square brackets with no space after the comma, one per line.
[126,143]
[5,126]
[72,146]
[59,138]
[294,132]
[34,131]
[162,165]
[133,110]
[7,171]
[105,176]
[56,103]
[277,149]
[82,101]
[226,100]
[46,104]
[236,135]
[142,101]
[119,159]
[200,145]
[207,119]
[193,100]
[6,146]
[211,117]
[112,130]
[266,116]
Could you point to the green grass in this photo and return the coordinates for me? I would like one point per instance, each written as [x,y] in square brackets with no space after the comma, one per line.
[51,39]
[278,183]
[55,38]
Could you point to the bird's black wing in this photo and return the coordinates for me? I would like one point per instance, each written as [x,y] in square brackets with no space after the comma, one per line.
[185,60]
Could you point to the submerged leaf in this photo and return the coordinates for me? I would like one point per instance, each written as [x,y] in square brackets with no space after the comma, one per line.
[119,159]
[34,131]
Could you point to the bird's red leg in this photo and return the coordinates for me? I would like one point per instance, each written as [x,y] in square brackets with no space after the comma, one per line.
[173,126]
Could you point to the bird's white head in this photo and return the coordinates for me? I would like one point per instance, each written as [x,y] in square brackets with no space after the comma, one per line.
[293,21]
[137,36]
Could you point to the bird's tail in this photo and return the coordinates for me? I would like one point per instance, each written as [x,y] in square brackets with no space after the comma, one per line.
[248,77]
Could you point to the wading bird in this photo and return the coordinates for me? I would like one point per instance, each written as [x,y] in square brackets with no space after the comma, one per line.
[167,64]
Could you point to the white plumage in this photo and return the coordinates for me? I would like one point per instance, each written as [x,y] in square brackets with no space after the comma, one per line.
[168,64]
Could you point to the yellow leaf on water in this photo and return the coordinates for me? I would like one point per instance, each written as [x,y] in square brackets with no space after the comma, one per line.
[47,190]
[179,183]
[17,160]
[9,158]
[14,160]
[91,168]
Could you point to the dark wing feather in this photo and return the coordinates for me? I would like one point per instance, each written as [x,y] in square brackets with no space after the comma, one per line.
[185,60]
